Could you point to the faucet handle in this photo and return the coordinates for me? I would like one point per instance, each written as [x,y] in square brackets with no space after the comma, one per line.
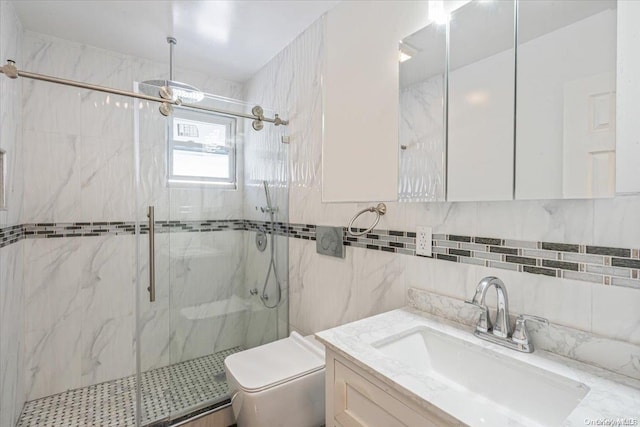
[484,322]
[520,334]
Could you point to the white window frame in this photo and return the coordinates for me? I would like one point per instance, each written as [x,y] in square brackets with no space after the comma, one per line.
[191,181]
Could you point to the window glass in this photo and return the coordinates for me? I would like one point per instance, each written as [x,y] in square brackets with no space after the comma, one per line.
[201,148]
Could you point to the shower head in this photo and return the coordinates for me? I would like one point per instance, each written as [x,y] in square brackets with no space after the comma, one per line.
[185,92]
[177,90]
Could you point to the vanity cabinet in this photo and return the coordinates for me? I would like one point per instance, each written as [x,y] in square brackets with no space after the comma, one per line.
[355,398]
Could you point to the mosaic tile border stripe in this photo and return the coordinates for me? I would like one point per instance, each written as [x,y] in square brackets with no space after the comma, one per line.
[11,234]
[595,264]
[15,233]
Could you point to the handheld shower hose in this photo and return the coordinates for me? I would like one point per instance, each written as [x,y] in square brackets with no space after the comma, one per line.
[272,262]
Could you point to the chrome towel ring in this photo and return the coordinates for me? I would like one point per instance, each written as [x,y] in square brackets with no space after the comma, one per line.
[379,210]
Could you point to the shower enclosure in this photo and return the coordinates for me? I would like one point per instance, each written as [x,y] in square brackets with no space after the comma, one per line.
[214,183]
[155,275]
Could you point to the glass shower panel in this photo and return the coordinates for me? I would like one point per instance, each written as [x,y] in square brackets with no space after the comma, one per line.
[193,167]
[152,317]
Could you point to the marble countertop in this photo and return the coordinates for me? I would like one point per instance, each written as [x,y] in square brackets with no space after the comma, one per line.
[611,396]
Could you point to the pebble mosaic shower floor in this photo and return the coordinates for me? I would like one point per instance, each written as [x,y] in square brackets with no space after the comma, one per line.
[176,389]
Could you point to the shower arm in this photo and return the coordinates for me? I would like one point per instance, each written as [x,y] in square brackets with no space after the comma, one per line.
[11,71]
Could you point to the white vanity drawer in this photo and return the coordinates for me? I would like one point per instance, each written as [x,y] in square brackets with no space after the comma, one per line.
[360,400]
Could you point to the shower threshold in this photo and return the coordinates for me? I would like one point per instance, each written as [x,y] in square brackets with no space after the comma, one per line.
[174,391]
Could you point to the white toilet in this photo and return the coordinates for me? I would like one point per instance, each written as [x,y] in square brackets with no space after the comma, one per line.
[278,384]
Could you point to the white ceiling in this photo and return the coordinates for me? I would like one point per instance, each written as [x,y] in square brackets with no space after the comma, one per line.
[227,39]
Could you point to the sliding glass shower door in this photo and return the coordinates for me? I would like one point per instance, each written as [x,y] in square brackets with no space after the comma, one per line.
[197,254]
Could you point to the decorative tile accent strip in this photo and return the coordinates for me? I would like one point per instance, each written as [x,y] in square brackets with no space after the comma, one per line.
[597,264]
[11,234]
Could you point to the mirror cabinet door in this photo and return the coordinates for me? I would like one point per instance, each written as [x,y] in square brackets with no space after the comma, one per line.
[477,125]
[423,65]
[481,101]
[565,112]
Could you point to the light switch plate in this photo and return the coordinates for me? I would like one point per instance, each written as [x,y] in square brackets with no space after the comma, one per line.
[424,237]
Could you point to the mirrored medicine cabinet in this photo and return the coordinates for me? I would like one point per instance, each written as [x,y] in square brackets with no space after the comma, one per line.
[510,100]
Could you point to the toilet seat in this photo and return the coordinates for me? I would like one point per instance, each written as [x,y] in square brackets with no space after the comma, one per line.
[278,362]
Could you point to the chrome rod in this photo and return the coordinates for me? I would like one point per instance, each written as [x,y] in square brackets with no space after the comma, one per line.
[152,254]
[172,42]
[12,72]
[277,121]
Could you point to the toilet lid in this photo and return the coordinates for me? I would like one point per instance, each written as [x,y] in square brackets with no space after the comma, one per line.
[271,364]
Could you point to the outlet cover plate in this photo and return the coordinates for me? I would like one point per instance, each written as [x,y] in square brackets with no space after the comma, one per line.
[424,237]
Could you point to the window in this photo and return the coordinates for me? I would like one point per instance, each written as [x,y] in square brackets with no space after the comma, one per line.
[201,149]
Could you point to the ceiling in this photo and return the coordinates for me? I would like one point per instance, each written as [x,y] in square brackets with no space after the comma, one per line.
[227,39]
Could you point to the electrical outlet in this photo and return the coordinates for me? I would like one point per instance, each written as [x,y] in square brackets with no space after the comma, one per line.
[424,236]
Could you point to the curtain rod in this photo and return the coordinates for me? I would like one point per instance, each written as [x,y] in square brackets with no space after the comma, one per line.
[10,70]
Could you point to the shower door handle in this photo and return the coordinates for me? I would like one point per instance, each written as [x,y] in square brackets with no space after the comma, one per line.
[152,254]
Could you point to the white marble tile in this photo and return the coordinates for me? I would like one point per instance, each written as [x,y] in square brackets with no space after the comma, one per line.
[53,331]
[11,333]
[101,114]
[380,279]
[155,338]
[445,278]
[291,82]
[261,325]
[107,349]
[53,275]
[454,218]
[106,179]
[49,107]
[195,338]
[621,211]
[11,118]
[569,221]
[107,294]
[53,359]
[87,335]
[12,328]
[615,313]
[51,177]
[318,299]
[204,267]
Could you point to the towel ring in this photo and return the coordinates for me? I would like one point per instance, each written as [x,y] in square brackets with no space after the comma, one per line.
[379,210]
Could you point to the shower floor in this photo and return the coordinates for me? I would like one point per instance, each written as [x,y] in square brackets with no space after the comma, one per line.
[176,389]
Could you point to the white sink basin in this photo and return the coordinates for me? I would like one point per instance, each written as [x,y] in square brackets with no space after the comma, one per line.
[490,382]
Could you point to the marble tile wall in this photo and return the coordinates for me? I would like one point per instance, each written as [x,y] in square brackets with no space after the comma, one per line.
[267,159]
[327,291]
[12,391]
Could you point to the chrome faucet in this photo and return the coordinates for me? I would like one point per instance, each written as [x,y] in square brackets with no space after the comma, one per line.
[501,328]
[500,333]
